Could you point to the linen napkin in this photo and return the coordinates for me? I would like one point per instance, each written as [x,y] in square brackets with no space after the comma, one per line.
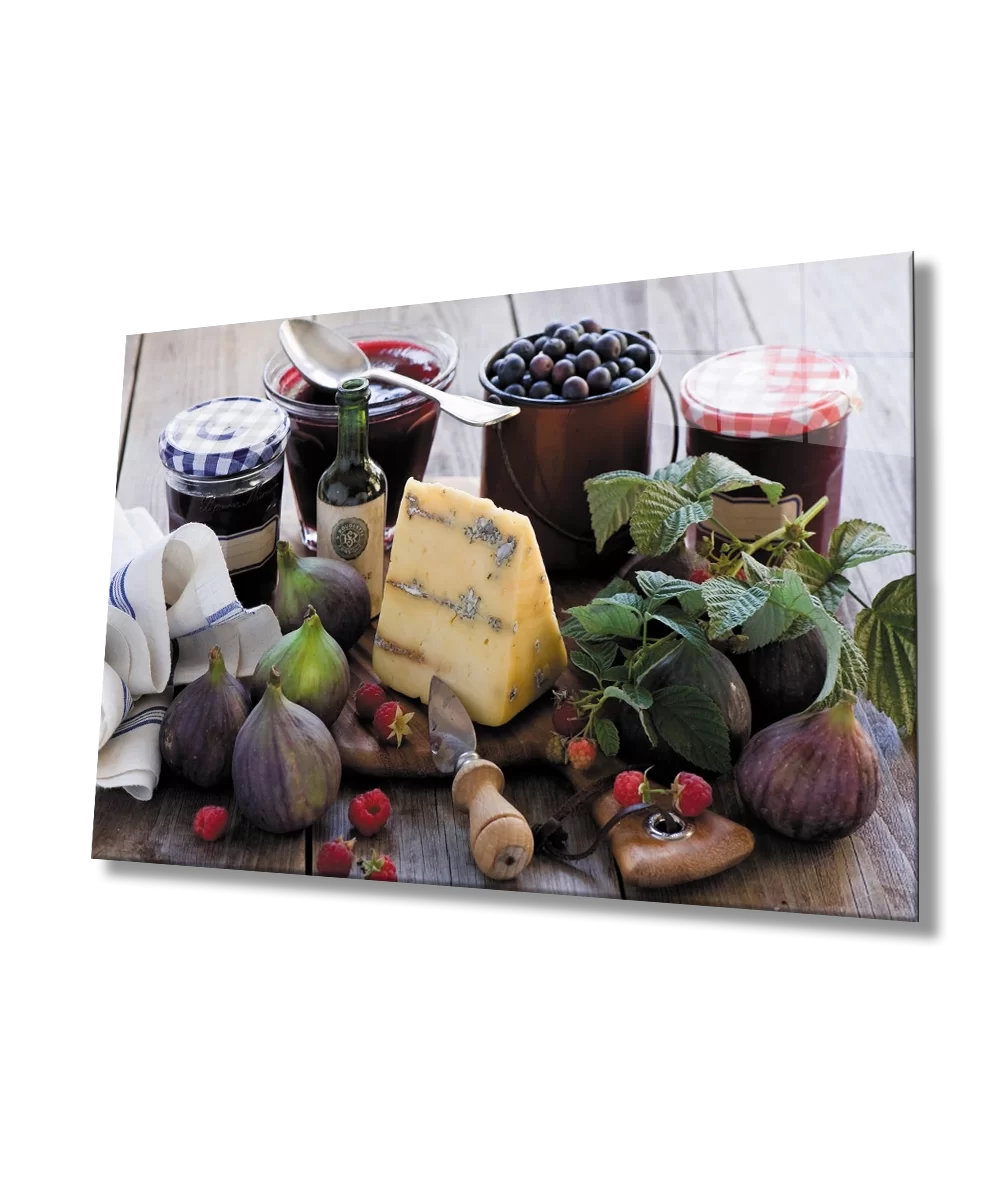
[170,601]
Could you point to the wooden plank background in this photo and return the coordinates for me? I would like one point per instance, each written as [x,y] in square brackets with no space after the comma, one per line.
[858,308]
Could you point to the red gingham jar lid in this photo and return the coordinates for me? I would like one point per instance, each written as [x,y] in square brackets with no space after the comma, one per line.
[768,391]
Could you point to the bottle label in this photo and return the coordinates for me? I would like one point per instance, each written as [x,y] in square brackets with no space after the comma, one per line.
[750,517]
[242,551]
[355,536]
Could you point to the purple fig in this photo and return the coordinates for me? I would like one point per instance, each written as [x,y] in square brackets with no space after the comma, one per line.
[313,669]
[336,591]
[813,776]
[286,765]
[199,731]
[784,677]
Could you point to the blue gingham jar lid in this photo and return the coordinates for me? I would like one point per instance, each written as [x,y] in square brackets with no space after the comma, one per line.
[222,437]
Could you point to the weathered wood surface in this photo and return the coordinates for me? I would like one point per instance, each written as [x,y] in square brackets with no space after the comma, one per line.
[857,308]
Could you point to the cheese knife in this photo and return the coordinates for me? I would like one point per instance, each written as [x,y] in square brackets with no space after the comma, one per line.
[499,836]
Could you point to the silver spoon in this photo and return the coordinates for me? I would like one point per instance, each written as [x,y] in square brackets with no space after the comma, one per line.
[326,358]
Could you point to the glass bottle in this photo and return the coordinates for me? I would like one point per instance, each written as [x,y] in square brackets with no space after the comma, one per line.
[350,496]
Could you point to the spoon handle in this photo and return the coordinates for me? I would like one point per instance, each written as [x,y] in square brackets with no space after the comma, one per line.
[466,409]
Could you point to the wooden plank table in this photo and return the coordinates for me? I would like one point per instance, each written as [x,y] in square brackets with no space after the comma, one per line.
[859,308]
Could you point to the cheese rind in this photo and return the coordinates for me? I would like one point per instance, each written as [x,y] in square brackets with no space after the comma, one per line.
[467,598]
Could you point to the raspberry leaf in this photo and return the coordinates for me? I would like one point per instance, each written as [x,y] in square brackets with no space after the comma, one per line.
[852,674]
[674,472]
[688,627]
[573,629]
[628,598]
[594,658]
[765,626]
[855,542]
[692,602]
[693,726]
[645,658]
[608,620]
[657,585]
[611,499]
[647,726]
[755,571]
[661,516]
[636,697]
[730,603]
[712,473]
[887,636]
[819,575]
[606,735]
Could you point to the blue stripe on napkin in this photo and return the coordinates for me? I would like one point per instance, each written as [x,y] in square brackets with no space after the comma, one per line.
[117,594]
[149,716]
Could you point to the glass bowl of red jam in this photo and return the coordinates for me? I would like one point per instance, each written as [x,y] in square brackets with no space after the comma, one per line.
[401,424]
[224,465]
[780,412]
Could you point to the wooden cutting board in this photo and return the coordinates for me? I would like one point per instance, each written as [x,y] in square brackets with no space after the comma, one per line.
[715,844]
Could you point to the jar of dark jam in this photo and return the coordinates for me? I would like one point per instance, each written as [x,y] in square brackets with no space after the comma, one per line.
[401,424]
[781,413]
[224,461]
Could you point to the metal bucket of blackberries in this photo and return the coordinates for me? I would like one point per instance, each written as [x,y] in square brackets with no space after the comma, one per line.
[586,400]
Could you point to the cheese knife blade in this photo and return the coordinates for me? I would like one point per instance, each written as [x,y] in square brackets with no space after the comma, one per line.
[452,733]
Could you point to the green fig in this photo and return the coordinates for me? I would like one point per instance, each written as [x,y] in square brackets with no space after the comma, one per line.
[286,765]
[199,731]
[313,669]
[336,591]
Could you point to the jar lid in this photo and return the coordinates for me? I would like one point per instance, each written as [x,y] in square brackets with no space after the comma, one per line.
[768,391]
[222,437]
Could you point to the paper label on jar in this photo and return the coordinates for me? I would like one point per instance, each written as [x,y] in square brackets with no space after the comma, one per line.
[750,517]
[250,548]
[355,536]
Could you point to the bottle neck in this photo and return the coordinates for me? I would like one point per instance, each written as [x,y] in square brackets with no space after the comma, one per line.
[352,431]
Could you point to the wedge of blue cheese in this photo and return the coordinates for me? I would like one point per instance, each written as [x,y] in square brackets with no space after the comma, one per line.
[467,598]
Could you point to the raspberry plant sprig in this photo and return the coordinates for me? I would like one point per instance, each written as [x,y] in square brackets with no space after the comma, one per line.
[620,636]
[741,603]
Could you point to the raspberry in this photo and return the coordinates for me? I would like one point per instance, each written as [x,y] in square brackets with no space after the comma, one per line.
[627,785]
[380,866]
[369,812]
[368,699]
[581,752]
[391,723]
[566,720]
[700,575]
[555,749]
[210,822]
[634,787]
[692,795]
[335,858]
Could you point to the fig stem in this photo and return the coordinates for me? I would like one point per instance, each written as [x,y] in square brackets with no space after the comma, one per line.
[274,680]
[842,713]
[216,664]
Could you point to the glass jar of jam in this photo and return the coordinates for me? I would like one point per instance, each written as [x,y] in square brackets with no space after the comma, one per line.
[401,424]
[781,413]
[224,462]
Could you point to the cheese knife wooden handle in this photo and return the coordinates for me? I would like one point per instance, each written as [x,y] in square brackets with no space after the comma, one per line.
[499,836]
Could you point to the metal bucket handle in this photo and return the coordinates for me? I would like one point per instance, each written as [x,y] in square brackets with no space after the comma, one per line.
[573,537]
